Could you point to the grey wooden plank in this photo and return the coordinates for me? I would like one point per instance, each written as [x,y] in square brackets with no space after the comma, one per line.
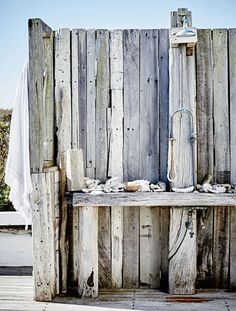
[150,247]
[91,98]
[102,102]
[165,227]
[131,247]
[232,247]
[205,144]
[221,247]
[82,90]
[104,247]
[182,253]
[149,105]
[163,62]
[36,74]
[221,106]
[232,98]
[155,199]
[204,248]
[131,105]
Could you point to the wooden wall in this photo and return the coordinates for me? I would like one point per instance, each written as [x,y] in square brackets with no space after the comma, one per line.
[111,98]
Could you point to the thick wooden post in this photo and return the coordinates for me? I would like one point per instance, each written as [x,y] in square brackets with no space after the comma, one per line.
[182,247]
[45,184]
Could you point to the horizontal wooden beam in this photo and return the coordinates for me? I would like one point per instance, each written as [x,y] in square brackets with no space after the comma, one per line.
[194,199]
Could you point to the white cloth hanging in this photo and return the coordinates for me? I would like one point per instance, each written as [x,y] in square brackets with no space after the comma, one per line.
[18,163]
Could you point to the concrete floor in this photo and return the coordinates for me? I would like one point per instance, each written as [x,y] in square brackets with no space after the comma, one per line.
[16,293]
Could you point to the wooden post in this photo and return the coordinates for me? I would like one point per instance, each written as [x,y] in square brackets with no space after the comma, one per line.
[182,247]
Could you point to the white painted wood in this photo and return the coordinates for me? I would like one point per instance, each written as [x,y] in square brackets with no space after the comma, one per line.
[131,105]
[91,97]
[182,253]
[150,247]
[74,165]
[117,245]
[116,59]
[88,252]
[75,88]
[221,106]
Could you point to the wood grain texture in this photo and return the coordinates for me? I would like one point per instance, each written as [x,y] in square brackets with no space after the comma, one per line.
[205,248]
[102,102]
[117,245]
[182,253]
[149,105]
[232,99]
[63,91]
[104,247]
[131,247]
[221,247]
[155,199]
[116,59]
[37,91]
[163,62]
[88,252]
[91,98]
[204,69]
[221,107]
[131,105]
[150,247]
[74,166]
[165,228]
[232,263]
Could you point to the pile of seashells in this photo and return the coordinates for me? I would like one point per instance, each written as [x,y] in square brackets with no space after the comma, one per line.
[94,186]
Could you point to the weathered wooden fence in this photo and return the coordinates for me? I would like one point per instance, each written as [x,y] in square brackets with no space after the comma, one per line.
[107,92]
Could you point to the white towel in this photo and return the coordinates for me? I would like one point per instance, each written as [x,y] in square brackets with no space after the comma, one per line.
[18,162]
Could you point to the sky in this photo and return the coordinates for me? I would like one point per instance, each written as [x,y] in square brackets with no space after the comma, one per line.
[109,14]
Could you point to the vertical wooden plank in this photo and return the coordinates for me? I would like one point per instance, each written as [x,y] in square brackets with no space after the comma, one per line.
[37,29]
[48,102]
[221,247]
[91,97]
[74,166]
[221,106]
[232,90]
[149,105]
[165,226]
[182,253]
[102,102]
[204,247]
[150,247]
[63,90]
[163,61]
[204,69]
[104,246]
[88,252]
[82,92]
[131,247]
[75,88]
[43,237]
[117,243]
[116,71]
[131,105]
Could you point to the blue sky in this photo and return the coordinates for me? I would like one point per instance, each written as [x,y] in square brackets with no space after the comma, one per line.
[111,14]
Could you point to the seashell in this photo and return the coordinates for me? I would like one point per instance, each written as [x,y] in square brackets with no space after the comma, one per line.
[183,190]
[144,184]
[162,185]
[107,189]
[85,190]
[131,187]
[96,192]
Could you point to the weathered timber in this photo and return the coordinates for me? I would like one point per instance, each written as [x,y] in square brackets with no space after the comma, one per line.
[163,63]
[102,102]
[91,97]
[164,234]
[104,247]
[182,253]
[131,105]
[155,199]
[149,106]
[221,107]
[232,249]
[150,245]
[74,166]
[116,245]
[88,252]
[204,69]
[40,93]
[131,247]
